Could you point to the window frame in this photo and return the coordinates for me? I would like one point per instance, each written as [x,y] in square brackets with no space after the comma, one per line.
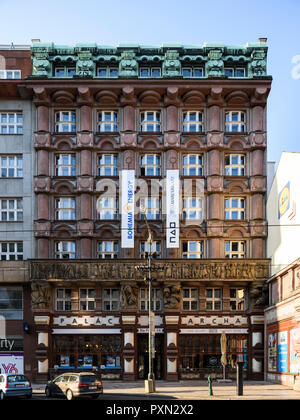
[65,70]
[113,123]
[198,122]
[234,72]
[70,123]
[187,167]
[113,165]
[60,252]
[199,252]
[213,299]
[193,69]
[145,166]
[15,167]
[156,299]
[14,210]
[241,167]
[236,300]
[104,254]
[232,254]
[4,72]
[64,300]
[240,210]
[15,124]
[112,210]
[87,302]
[190,300]
[16,253]
[145,123]
[108,72]
[187,208]
[111,299]
[240,123]
[60,166]
[155,248]
[70,210]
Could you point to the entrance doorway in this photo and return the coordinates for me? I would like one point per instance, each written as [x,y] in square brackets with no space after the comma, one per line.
[143,356]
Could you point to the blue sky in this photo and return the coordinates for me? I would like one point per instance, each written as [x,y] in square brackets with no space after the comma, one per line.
[190,22]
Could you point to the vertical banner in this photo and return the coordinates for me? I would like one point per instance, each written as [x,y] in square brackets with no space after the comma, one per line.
[127,208]
[282,351]
[172,208]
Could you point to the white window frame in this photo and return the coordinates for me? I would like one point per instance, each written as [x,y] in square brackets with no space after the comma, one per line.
[192,208]
[235,249]
[107,249]
[109,125]
[152,208]
[11,123]
[155,248]
[69,166]
[111,300]
[192,119]
[150,124]
[189,168]
[235,121]
[237,303]
[108,72]
[234,72]
[87,299]
[149,168]
[107,208]
[65,70]
[156,299]
[214,302]
[192,70]
[11,209]
[190,299]
[65,121]
[65,249]
[65,208]
[13,168]
[63,300]
[107,164]
[13,251]
[150,71]
[4,74]
[194,249]
[231,209]
[239,166]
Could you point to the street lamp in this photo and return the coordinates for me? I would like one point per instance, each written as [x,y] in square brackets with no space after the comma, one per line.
[148,269]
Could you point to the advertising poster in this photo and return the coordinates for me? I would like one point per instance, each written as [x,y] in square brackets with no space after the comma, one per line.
[294,360]
[11,363]
[172,208]
[272,352]
[127,208]
[284,200]
[282,351]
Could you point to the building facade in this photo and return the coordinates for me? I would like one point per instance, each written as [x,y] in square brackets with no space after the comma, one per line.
[282,321]
[196,112]
[16,206]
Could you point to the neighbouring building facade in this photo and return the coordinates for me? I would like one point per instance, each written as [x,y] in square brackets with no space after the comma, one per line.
[193,118]
[282,320]
[16,205]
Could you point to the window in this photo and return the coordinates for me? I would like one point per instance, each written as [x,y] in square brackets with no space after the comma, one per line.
[111,299]
[190,72]
[107,208]
[108,72]
[152,208]
[87,299]
[192,165]
[107,249]
[214,299]
[11,302]
[11,123]
[235,121]
[155,249]
[150,121]
[10,74]
[193,121]
[11,210]
[192,208]
[235,208]
[150,72]
[189,299]
[235,165]
[11,251]
[150,165]
[64,71]
[156,299]
[235,72]
[235,249]
[108,165]
[65,122]
[65,165]
[65,249]
[11,166]
[192,249]
[107,121]
[65,208]
[237,299]
[63,299]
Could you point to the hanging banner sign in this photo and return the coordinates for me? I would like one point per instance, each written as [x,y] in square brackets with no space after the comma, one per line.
[172,208]
[127,208]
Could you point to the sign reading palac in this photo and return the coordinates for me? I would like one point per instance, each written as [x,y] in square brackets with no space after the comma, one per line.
[172,270]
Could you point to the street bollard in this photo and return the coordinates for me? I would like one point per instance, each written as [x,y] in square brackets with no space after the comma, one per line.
[239,378]
[210,391]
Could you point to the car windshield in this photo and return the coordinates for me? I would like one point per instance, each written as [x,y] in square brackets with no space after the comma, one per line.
[87,379]
[17,378]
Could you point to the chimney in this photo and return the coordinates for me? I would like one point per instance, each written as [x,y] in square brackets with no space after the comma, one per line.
[35,40]
[262,40]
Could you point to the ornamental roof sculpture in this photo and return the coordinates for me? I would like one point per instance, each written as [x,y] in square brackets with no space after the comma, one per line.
[128,58]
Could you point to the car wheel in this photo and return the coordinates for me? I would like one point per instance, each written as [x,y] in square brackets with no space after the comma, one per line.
[48,393]
[2,396]
[69,395]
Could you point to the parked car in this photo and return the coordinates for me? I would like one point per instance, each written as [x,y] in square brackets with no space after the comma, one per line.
[14,386]
[75,385]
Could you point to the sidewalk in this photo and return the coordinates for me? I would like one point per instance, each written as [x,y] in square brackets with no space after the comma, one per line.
[193,390]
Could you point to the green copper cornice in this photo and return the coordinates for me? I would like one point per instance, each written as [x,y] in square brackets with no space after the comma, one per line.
[85,58]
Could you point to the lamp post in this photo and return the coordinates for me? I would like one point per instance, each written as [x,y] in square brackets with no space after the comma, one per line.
[148,269]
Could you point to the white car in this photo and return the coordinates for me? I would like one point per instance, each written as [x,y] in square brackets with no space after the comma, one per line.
[14,386]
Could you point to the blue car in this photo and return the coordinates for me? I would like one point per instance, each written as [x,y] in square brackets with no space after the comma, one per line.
[14,386]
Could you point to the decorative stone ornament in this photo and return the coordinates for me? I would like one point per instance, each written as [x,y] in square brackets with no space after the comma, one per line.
[258,65]
[215,64]
[171,66]
[128,66]
[85,65]
[40,64]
